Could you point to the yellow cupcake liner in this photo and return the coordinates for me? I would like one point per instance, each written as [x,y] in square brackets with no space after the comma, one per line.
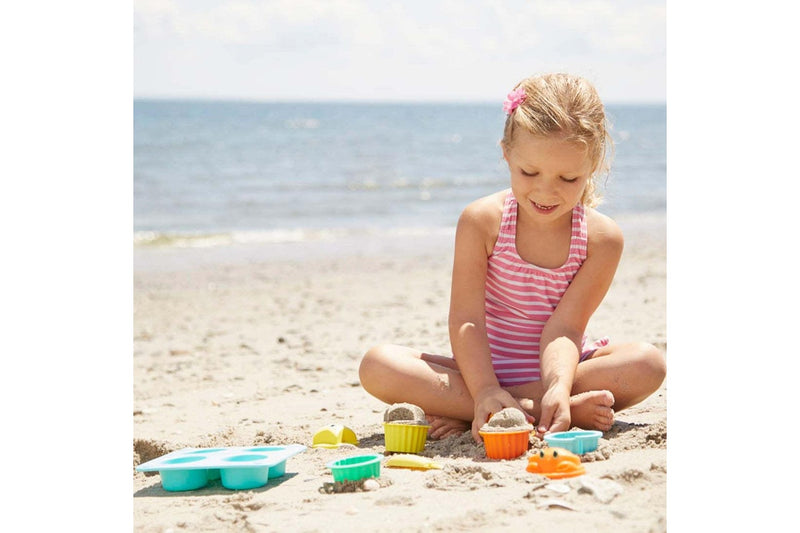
[406,438]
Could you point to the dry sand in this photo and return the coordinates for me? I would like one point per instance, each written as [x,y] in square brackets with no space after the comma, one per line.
[261,345]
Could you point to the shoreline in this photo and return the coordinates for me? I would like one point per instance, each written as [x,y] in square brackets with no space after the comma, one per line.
[638,228]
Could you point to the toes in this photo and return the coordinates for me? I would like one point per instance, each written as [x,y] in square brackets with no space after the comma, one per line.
[605,419]
[453,431]
[444,433]
[442,427]
[608,398]
[603,412]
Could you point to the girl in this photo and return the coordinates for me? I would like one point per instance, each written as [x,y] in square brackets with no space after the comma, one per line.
[531,265]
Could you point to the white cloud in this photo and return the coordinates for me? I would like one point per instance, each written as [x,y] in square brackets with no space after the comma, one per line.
[409,48]
[250,22]
[606,25]
[156,18]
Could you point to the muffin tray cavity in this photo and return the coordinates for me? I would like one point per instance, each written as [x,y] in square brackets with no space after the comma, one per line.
[236,467]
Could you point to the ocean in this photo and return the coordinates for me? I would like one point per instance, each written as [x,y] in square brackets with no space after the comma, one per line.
[215,173]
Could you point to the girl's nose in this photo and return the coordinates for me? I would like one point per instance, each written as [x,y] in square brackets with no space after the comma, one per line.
[544,187]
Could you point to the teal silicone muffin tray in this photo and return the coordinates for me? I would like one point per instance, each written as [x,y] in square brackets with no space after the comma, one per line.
[238,468]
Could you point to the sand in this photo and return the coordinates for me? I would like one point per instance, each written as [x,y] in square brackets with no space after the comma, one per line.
[404,413]
[260,345]
[507,420]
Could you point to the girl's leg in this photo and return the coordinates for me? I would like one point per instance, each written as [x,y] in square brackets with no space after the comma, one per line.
[397,374]
[632,372]
[614,378]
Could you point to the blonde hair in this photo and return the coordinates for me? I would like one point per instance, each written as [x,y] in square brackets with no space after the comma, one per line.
[567,105]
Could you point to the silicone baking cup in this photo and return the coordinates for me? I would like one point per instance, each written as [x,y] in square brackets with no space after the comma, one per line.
[405,438]
[356,467]
[505,445]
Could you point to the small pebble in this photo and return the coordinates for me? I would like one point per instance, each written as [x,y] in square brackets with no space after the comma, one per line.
[559,488]
[370,485]
[555,502]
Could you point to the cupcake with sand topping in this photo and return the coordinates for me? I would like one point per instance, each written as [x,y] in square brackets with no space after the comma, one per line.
[506,434]
[405,428]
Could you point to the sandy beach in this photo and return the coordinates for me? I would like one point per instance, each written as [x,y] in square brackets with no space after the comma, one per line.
[260,345]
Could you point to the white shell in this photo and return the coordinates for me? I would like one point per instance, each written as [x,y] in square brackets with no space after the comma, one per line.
[370,485]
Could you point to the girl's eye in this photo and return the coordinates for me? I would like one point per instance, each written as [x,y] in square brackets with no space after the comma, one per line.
[530,174]
[569,180]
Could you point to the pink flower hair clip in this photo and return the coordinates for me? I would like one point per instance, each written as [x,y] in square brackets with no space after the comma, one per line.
[513,100]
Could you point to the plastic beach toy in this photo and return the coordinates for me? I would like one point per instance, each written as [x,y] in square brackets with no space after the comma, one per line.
[237,467]
[405,438]
[356,467]
[415,462]
[555,463]
[505,444]
[579,442]
[333,436]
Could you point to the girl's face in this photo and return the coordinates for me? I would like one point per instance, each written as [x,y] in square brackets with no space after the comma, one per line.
[548,174]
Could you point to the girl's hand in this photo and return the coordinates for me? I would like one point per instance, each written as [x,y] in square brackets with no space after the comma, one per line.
[490,401]
[555,411]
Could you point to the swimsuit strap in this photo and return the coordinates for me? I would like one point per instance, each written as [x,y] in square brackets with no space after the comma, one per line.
[507,236]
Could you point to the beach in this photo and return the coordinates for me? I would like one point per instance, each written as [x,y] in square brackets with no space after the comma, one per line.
[259,345]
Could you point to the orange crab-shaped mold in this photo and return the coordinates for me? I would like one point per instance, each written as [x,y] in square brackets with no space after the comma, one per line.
[555,463]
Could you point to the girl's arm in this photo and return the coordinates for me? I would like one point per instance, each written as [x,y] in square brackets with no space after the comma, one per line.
[563,333]
[475,237]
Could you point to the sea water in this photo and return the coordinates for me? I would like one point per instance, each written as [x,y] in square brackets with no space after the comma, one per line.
[215,173]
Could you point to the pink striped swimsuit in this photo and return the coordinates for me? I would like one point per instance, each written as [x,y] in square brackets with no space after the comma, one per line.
[521,297]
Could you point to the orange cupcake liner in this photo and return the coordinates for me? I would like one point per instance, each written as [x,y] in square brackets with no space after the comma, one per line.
[505,445]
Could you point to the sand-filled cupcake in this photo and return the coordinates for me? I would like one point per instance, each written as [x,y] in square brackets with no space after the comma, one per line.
[405,428]
[506,434]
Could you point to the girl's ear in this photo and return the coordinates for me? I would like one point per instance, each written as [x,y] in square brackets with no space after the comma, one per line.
[505,154]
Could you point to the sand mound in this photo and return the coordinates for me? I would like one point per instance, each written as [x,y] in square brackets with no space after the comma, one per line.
[404,413]
[508,419]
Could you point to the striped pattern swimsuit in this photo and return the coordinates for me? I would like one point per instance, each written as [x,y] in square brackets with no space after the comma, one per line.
[521,297]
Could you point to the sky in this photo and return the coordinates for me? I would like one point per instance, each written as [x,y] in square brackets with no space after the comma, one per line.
[394,51]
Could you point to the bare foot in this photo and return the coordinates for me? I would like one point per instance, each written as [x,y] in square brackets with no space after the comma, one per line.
[592,410]
[442,426]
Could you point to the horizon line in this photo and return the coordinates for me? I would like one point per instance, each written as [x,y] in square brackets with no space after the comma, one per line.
[432,101]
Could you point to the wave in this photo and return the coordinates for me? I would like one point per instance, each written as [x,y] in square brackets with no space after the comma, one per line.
[281,236]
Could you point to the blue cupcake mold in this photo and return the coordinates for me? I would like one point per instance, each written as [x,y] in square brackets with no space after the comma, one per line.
[578,442]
